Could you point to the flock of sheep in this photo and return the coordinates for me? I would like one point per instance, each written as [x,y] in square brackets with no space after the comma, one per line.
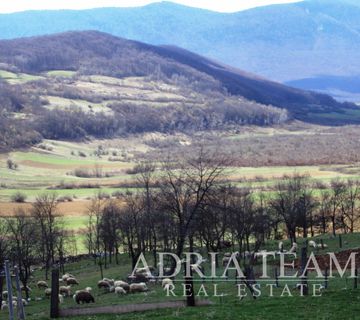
[119,287]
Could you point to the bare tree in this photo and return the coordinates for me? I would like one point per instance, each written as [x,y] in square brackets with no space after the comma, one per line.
[24,233]
[44,211]
[184,190]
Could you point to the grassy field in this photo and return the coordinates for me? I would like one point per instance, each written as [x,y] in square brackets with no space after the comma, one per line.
[331,305]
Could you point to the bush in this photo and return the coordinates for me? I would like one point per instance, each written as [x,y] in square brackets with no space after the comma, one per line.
[12,165]
[18,197]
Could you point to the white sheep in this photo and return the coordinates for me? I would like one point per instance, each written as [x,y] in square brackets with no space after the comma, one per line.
[138,287]
[312,244]
[4,305]
[110,281]
[281,246]
[47,292]
[120,290]
[166,281]
[61,299]
[65,291]
[71,281]
[293,248]
[225,261]
[42,285]
[5,294]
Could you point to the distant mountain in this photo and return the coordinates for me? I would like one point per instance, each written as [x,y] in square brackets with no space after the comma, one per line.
[281,42]
[92,52]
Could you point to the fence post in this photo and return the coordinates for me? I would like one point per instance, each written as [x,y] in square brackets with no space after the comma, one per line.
[322,243]
[189,288]
[326,280]
[20,305]
[54,303]
[9,290]
[303,265]
[340,241]
[276,279]
[356,279]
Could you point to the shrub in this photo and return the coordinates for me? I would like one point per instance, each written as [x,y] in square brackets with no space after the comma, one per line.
[12,165]
[18,197]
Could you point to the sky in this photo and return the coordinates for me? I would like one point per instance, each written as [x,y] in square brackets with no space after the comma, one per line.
[7,6]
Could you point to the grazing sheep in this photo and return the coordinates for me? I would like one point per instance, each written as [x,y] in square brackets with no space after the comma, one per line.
[120,290]
[123,285]
[84,297]
[61,299]
[103,284]
[65,291]
[27,287]
[281,246]
[293,248]
[312,244]
[138,287]
[66,276]
[42,285]
[225,261]
[4,305]
[112,289]
[5,294]
[71,281]
[48,292]
[110,281]
[166,281]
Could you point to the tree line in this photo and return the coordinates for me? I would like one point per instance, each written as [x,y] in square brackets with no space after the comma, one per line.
[181,206]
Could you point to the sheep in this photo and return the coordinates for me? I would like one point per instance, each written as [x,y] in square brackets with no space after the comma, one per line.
[110,281]
[87,289]
[120,290]
[142,271]
[166,281]
[24,302]
[4,305]
[65,291]
[47,292]
[71,281]
[122,284]
[42,285]
[84,297]
[61,299]
[5,294]
[27,288]
[138,287]
[112,289]
[66,276]
[312,244]
[293,248]
[225,261]
[103,284]
[281,246]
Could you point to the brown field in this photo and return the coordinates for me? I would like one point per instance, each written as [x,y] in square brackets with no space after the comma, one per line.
[74,208]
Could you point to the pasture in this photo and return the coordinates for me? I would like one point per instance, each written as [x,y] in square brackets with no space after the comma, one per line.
[339,295]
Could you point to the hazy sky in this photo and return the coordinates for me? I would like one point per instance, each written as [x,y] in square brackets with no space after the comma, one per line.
[217,5]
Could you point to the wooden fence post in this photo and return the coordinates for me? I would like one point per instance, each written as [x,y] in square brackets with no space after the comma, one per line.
[303,265]
[20,305]
[276,278]
[189,288]
[326,280]
[356,279]
[54,303]
[340,241]
[9,290]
